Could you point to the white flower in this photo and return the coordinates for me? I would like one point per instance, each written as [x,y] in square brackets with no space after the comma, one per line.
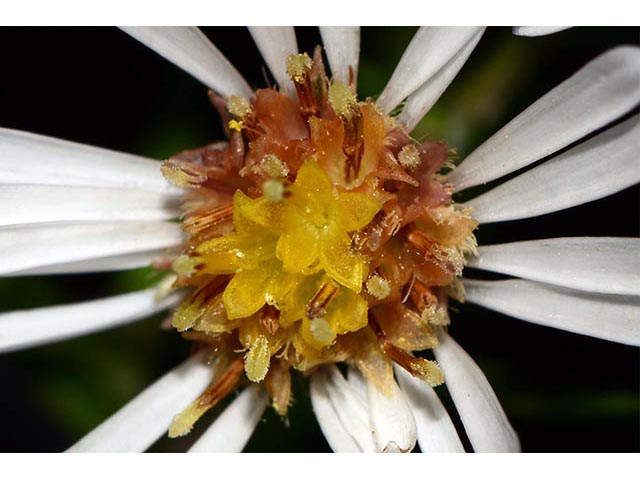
[72,208]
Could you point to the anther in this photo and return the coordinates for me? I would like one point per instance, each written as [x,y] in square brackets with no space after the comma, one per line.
[272,166]
[299,69]
[409,157]
[273,190]
[342,99]
[317,306]
[239,107]
[378,286]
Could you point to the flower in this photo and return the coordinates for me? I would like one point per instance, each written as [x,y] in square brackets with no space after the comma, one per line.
[347,420]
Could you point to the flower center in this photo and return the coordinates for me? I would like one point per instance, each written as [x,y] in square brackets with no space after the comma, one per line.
[319,233]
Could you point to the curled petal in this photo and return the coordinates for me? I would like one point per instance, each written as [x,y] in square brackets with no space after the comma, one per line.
[485,422]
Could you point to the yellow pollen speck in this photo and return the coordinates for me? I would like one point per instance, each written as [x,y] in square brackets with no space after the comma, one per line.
[321,330]
[235,125]
[342,99]
[272,166]
[256,362]
[409,157]
[273,190]
[297,66]
[238,106]
[378,287]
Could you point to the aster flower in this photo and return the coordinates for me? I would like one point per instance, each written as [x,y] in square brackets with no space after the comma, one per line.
[322,234]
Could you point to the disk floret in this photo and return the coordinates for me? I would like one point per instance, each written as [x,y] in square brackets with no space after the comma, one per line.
[320,232]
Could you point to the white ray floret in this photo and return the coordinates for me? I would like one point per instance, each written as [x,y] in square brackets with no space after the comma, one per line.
[430,50]
[137,425]
[24,204]
[420,102]
[435,430]
[27,328]
[230,432]
[339,439]
[484,420]
[593,264]
[606,163]
[610,317]
[342,415]
[393,424]
[191,50]
[537,31]
[27,158]
[599,93]
[275,45]
[126,261]
[342,46]
[25,248]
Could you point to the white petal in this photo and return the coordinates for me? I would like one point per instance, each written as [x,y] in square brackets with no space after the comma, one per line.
[610,317]
[275,45]
[358,384]
[32,246]
[113,263]
[27,158]
[191,50]
[484,419]
[27,328]
[230,432]
[595,169]
[394,428]
[421,101]
[536,31]
[600,92]
[137,425]
[342,46]
[23,204]
[593,264]
[339,439]
[436,432]
[351,413]
[430,49]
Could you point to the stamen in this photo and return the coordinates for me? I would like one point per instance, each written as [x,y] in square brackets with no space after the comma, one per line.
[256,361]
[378,287]
[426,370]
[342,99]
[272,166]
[298,69]
[273,190]
[185,265]
[353,144]
[239,107]
[317,306]
[183,174]
[321,331]
[409,157]
[183,422]
[298,66]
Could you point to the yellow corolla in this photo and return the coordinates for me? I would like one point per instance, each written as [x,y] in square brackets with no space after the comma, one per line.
[295,253]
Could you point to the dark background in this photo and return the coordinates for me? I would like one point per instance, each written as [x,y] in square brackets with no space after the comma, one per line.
[562,392]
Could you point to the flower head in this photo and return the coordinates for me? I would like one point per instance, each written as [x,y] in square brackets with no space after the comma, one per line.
[320,234]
